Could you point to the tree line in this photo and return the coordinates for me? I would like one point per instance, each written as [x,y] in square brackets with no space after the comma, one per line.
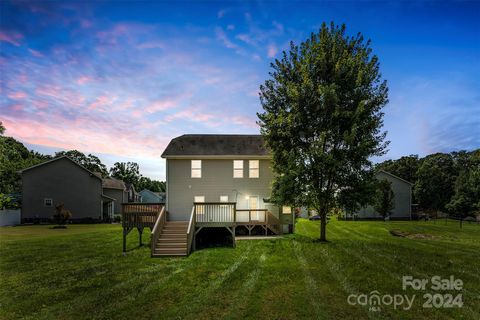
[14,157]
[443,182]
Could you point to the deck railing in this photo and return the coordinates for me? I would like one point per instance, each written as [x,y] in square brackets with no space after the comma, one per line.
[215,212]
[157,228]
[251,215]
[191,231]
[140,214]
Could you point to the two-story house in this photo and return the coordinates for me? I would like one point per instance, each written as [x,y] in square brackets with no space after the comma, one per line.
[220,181]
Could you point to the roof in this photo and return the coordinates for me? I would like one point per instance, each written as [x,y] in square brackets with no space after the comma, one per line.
[394,176]
[112,183]
[216,145]
[59,158]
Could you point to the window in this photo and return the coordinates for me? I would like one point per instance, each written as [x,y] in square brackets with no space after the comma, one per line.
[223,198]
[238,168]
[286,210]
[47,202]
[253,169]
[199,209]
[196,168]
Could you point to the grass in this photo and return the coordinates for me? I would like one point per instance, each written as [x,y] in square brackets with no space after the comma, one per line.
[80,273]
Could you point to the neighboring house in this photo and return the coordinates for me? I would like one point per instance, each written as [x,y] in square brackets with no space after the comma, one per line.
[402,190]
[222,169]
[62,180]
[148,196]
[132,195]
[117,190]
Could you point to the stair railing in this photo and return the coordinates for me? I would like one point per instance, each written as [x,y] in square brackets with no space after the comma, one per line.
[191,231]
[157,228]
[274,222]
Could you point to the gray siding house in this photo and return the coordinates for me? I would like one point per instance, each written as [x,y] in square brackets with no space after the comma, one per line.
[116,190]
[221,168]
[402,190]
[148,196]
[62,180]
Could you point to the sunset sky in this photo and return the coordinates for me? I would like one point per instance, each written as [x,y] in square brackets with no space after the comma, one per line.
[120,79]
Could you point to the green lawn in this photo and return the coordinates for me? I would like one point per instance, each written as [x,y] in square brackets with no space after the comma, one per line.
[80,273]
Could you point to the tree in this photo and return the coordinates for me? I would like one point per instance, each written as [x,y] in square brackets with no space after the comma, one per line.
[152,185]
[14,157]
[384,198]
[322,120]
[466,199]
[90,162]
[435,182]
[406,167]
[2,129]
[61,215]
[128,172]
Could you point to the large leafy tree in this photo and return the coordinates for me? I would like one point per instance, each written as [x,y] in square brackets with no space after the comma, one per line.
[466,199]
[14,157]
[90,161]
[435,181]
[152,185]
[128,172]
[384,198]
[322,120]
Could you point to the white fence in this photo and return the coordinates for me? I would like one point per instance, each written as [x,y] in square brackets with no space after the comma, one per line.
[9,217]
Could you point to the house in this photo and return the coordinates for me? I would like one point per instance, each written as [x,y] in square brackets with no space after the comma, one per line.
[115,189]
[402,190]
[148,196]
[213,181]
[133,196]
[62,180]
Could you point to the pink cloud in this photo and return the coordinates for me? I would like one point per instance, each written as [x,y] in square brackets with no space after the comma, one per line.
[161,106]
[101,102]
[11,37]
[19,95]
[83,80]
[35,53]
[272,51]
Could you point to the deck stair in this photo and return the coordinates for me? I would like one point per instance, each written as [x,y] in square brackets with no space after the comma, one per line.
[172,240]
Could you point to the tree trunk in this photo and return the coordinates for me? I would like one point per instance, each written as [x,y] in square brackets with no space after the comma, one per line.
[323,227]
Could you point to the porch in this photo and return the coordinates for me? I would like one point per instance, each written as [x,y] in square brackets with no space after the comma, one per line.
[178,237]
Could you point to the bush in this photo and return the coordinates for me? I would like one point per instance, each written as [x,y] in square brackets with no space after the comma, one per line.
[8,202]
[117,218]
[61,215]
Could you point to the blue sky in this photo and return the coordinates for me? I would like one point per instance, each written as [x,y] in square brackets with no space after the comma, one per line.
[120,79]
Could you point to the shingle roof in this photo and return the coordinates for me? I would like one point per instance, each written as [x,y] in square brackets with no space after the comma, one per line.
[112,183]
[216,145]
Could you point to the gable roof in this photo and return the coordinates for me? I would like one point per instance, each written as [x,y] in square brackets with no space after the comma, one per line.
[112,183]
[394,176]
[216,145]
[59,158]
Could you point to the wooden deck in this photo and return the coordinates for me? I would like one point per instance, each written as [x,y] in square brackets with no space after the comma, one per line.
[203,215]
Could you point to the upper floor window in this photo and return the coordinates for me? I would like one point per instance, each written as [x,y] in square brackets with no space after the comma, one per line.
[47,202]
[196,168]
[238,168]
[253,169]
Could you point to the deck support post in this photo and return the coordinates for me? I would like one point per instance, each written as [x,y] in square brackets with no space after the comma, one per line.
[140,231]
[126,230]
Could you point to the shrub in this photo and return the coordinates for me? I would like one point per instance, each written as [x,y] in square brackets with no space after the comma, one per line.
[61,215]
[8,202]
